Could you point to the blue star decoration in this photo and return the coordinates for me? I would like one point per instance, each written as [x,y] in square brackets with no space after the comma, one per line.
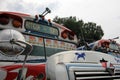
[80,55]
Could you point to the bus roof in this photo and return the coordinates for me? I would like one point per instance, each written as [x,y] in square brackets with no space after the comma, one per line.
[15,13]
[63,27]
[27,15]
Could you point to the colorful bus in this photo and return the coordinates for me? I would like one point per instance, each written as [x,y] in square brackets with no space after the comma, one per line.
[46,38]
[108,46]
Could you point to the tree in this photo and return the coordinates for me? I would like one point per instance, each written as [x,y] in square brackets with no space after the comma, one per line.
[88,32]
[92,32]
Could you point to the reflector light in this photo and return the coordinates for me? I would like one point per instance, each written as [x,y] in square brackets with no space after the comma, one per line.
[16,23]
[4,20]
[43,17]
[36,18]
[104,64]
[64,34]
[71,36]
[49,20]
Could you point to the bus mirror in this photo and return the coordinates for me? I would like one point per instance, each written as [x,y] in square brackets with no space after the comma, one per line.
[12,42]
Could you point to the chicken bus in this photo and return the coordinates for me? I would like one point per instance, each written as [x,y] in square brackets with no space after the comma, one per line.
[27,41]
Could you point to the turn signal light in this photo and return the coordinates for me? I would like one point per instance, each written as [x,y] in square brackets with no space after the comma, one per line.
[16,23]
[71,36]
[64,34]
[4,20]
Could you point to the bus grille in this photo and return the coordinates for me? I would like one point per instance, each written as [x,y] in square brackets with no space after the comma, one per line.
[96,75]
[87,71]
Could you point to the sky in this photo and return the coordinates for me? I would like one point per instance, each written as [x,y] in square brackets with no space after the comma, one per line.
[105,13]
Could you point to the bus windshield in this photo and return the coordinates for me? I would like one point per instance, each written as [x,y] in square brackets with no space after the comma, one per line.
[40,29]
[114,46]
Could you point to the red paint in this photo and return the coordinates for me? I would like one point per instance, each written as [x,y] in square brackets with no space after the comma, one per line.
[32,70]
[14,13]
[104,64]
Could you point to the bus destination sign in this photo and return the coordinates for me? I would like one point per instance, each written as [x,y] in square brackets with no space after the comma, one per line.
[40,28]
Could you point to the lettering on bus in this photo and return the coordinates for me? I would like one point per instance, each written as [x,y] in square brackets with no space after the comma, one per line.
[37,28]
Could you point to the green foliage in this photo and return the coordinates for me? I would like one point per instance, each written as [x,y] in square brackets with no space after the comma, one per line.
[88,32]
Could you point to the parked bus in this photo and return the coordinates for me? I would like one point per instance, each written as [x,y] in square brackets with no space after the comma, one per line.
[95,61]
[45,36]
[107,46]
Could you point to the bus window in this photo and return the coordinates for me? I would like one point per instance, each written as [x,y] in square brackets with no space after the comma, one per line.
[40,29]
[114,46]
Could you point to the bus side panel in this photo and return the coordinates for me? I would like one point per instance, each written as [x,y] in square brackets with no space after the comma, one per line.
[34,71]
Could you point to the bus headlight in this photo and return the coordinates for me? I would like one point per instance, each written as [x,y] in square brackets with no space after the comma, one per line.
[8,42]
